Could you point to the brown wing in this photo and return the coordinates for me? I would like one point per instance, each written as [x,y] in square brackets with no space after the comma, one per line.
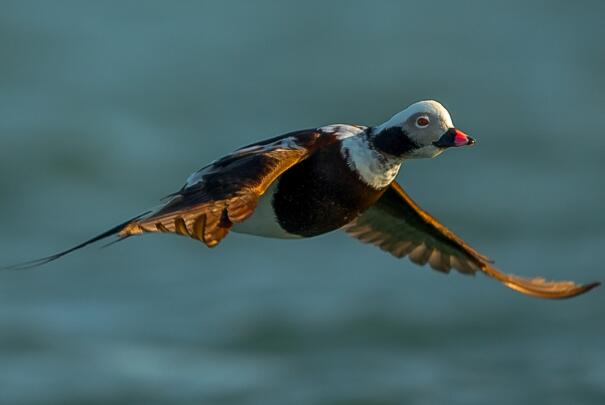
[399,226]
[228,190]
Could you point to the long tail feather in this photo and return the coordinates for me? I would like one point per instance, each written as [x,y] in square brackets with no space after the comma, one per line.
[48,259]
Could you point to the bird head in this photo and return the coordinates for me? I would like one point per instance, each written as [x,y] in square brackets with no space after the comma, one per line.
[423,130]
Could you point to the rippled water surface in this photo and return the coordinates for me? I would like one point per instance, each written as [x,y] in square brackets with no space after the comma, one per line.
[105,107]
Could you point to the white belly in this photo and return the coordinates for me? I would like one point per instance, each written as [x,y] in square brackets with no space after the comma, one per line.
[263,221]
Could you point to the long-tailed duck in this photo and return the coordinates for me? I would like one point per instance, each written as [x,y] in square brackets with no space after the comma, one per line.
[310,182]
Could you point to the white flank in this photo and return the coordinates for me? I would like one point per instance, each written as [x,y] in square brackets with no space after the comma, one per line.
[263,221]
[373,168]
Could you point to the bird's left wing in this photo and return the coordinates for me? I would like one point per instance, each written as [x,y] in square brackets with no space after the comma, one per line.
[399,226]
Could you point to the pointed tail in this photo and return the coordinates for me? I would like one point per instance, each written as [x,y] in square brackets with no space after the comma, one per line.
[111,232]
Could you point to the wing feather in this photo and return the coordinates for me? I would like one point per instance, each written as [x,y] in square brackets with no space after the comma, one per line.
[227,191]
[399,226]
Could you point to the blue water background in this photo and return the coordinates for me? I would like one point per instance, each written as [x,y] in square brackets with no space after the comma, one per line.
[107,106]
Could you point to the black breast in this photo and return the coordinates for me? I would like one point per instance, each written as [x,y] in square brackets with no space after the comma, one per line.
[321,194]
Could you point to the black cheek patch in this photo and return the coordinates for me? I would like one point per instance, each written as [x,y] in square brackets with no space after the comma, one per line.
[393,141]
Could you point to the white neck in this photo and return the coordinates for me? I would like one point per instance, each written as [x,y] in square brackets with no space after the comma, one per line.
[373,168]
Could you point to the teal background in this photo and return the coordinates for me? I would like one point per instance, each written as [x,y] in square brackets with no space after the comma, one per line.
[107,106]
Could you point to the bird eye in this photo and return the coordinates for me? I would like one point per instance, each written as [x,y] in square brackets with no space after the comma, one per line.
[422,122]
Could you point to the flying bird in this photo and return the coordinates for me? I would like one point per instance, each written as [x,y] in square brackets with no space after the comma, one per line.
[337,177]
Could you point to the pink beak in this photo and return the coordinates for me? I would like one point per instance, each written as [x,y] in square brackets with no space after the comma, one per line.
[454,138]
[462,139]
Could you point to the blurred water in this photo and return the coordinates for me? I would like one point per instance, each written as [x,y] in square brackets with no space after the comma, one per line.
[107,106]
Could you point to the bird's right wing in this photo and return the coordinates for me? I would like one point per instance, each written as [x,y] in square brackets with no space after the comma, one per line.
[399,226]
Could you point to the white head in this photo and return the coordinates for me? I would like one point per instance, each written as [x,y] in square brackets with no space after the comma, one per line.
[423,130]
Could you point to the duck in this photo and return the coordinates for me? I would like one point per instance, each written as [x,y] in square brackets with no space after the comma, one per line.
[338,177]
